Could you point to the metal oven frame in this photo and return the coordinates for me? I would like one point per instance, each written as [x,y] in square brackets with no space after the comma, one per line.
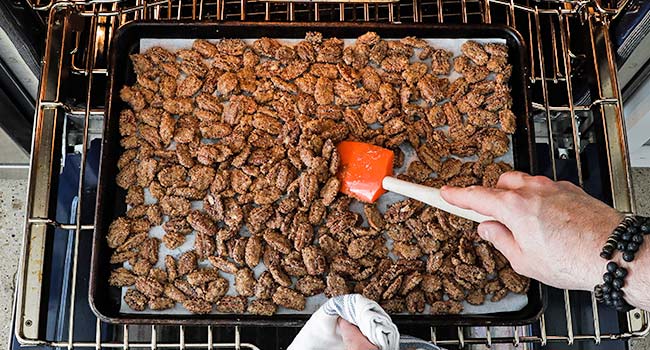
[569,53]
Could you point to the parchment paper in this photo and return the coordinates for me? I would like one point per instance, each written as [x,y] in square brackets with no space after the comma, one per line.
[512,302]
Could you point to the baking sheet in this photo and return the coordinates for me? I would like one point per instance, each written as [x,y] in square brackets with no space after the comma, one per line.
[512,302]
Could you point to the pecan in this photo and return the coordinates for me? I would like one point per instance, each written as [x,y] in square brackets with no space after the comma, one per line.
[135,300]
[289,298]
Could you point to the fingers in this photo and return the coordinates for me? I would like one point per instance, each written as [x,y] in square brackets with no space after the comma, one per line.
[512,180]
[501,238]
[480,199]
[353,338]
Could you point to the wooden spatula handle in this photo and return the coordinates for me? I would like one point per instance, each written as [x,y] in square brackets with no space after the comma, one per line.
[430,196]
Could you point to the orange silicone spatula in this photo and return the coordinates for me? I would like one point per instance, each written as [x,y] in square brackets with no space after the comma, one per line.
[366,173]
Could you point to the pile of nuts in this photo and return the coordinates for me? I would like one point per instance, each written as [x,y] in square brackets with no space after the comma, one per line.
[251,132]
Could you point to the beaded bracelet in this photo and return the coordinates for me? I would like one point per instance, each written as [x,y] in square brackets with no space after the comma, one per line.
[626,238]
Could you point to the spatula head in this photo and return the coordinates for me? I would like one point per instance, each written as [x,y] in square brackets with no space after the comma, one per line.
[363,167]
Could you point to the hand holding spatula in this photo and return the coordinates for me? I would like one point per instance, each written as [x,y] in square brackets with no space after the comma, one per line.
[366,173]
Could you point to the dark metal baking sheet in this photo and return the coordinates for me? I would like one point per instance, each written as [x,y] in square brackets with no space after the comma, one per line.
[105,300]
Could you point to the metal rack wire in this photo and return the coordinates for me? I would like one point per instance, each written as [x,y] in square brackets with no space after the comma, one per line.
[567,41]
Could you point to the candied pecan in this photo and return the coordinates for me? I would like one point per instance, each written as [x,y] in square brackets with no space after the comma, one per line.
[302,234]
[406,250]
[324,91]
[161,303]
[174,293]
[340,222]
[253,251]
[446,307]
[277,241]
[279,276]
[476,297]
[508,121]
[335,285]
[372,291]
[418,171]
[204,245]
[174,206]
[245,282]
[135,300]
[475,52]
[118,232]
[148,286]
[149,249]
[223,264]
[265,286]
[402,210]
[344,265]
[202,223]
[314,260]
[197,306]
[293,264]
[142,267]
[472,274]
[121,277]
[430,283]
[415,302]
[411,281]
[329,246]
[202,276]
[392,288]
[393,306]
[514,282]
[493,286]
[289,298]
[261,307]
[359,247]
[173,240]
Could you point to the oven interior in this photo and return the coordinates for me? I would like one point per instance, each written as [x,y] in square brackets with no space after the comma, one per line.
[576,106]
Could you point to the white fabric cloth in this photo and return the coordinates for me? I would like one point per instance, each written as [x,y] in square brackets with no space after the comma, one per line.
[320,332]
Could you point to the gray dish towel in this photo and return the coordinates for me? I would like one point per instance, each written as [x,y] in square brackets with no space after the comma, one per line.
[320,332]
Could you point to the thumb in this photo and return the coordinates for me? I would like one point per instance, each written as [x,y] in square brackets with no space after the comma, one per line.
[501,237]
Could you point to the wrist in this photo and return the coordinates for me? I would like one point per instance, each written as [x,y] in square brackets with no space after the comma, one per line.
[636,288]
[596,265]
[629,255]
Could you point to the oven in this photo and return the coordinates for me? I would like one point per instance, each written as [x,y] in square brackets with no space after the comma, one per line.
[579,134]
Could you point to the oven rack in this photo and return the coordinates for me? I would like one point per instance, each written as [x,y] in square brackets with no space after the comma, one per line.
[568,44]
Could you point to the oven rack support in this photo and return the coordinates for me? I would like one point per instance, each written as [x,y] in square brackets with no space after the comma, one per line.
[78,39]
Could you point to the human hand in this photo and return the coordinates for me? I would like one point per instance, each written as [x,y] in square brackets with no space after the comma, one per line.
[550,231]
[352,336]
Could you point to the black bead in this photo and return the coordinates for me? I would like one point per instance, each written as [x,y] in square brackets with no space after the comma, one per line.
[632,247]
[606,288]
[608,277]
[632,230]
[645,227]
[609,302]
[628,256]
[619,302]
[620,246]
[626,236]
[605,255]
[620,272]
[617,283]
[637,238]
[616,295]
[611,266]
